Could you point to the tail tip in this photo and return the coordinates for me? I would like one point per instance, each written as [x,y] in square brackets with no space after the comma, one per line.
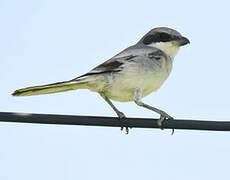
[15,93]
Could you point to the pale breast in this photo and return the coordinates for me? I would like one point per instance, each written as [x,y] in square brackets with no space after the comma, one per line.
[148,75]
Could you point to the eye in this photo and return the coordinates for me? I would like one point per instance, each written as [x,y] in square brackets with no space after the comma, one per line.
[158,37]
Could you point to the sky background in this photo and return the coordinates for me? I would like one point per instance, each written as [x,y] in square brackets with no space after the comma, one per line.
[48,41]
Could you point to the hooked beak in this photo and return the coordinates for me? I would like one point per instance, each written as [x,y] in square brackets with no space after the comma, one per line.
[182,41]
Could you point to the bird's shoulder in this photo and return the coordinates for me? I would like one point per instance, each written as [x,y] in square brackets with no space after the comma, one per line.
[141,51]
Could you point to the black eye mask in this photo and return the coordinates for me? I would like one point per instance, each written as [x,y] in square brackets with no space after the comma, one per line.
[158,37]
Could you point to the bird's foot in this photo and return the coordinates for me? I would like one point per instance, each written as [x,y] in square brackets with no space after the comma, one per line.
[122,120]
[163,117]
[126,129]
[121,115]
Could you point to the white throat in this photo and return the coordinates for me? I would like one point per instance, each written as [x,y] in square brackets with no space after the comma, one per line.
[168,47]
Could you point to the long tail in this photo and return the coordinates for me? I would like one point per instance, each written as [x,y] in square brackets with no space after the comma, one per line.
[50,88]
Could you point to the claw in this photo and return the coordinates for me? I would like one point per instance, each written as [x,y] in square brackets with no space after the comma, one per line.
[126,129]
[162,118]
[122,116]
[172,132]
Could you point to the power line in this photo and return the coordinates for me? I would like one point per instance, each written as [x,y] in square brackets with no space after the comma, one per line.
[113,121]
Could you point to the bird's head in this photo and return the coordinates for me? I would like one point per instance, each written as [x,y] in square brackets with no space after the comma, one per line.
[166,39]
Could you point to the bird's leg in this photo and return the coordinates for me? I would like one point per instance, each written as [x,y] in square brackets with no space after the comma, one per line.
[163,115]
[119,113]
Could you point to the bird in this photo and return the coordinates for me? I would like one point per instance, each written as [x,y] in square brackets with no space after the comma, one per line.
[130,75]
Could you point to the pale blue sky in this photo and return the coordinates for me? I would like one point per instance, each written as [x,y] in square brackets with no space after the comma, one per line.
[48,41]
